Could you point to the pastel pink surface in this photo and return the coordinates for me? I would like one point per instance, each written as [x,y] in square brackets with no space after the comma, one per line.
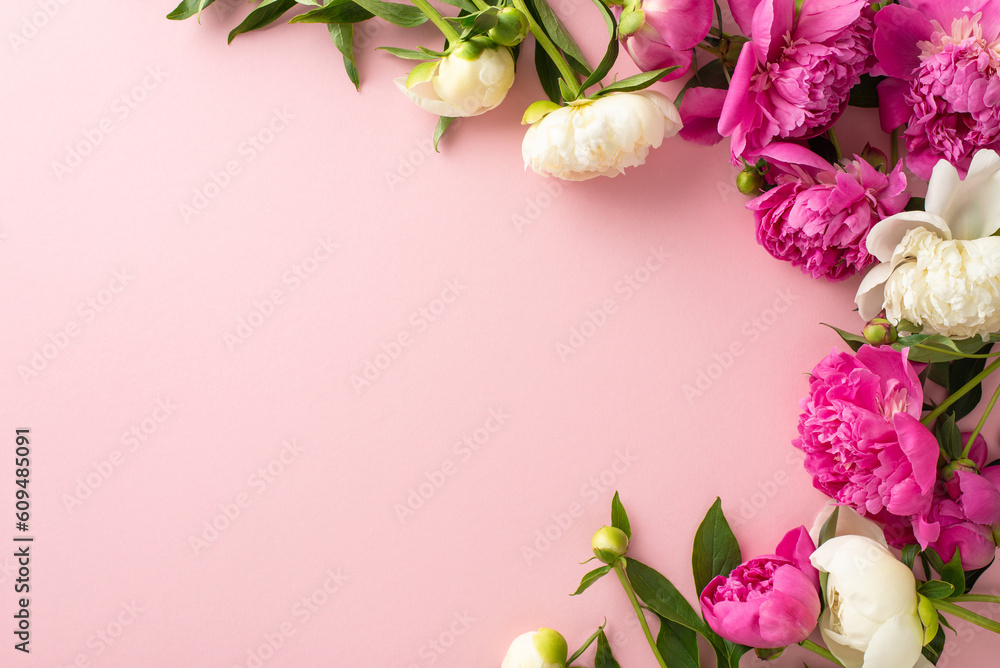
[684,385]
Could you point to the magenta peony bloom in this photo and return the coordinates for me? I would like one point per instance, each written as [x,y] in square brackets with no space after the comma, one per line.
[767,602]
[794,77]
[861,433]
[963,517]
[668,33]
[818,216]
[943,64]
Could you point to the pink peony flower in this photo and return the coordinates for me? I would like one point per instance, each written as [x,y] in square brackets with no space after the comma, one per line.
[818,216]
[861,433]
[794,77]
[962,517]
[770,601]
[667,34]
[943,64]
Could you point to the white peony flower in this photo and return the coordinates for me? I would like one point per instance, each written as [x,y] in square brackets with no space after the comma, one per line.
[543,648]
[469,81]
[601,137]
[940,267]
[871,619]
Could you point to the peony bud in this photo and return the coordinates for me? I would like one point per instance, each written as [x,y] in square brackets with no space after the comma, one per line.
[609,544]
[749,180]
[511,27]
[473,79]
[875,157]
[880,332]
[543,648]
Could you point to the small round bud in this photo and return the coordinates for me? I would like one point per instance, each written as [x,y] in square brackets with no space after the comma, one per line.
[880,332]
[875,157]
[511,27]
[609,544]
[551,647]
[544,647]
[749,180]
[949,471]
[632,20]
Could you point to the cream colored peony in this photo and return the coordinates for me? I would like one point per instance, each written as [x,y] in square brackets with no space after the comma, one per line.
[543,648]
[601,137]
[940,267]
[469,81]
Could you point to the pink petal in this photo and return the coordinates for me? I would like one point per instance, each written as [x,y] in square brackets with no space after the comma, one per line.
[772,20]
[700,111]
[898,30]
[743,13]
[819,20]
[681,23]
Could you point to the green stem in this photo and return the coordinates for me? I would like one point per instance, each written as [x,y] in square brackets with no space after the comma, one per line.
[481,4]
[718,32]
[974,598]
[967,615]
[982,422]
[961,392]
[715,51]
[894,147]
[822,651]
[568,75]
[435,17]
[620,572]
[832,136]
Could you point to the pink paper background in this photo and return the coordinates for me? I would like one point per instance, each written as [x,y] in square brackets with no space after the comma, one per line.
[125,304]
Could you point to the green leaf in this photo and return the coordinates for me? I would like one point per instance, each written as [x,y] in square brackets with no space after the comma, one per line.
[636,82]
[267,13]
[938,348]
[932,650]
[559,35]
[548,74]
[442,125]
[915,204]
[678,645]
[611,54]
[619,518]
[662,597]
[962,371]
[829,529]
[187,9]
[343,38]
[972,576]
[406,54]
[603,658]
[855,341]
[535,112]
[716,551]
[769,654]
[590,578]
[564,90]
[938,374]
[948,436]
[338,11]
[404,16]
[583,648]
[865,92]
[909,555]
[465,5]
[936,589]
[951,572]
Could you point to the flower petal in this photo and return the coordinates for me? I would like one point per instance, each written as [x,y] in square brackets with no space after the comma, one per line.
[896,643]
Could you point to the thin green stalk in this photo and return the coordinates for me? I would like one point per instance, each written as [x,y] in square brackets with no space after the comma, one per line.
[961,392]
[715,51]
[967,615]
[435,17]
[971,356]
[568,75]
[481,4]
[822,651]
[620,572]
[832,136]
[974,598]
[982,422]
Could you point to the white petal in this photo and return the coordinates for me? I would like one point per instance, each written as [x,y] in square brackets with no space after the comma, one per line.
[897,644]
[886,235]
[837,644]
[871,293]
[423,96]
[867,576]
[941,188]
[849,523]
